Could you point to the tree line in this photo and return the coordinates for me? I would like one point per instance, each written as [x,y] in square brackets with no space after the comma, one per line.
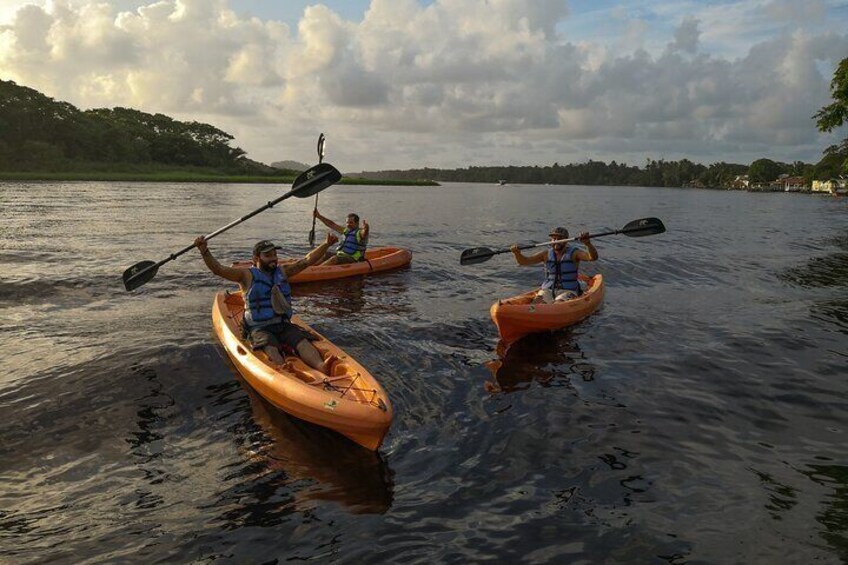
[38,133]
[653,173]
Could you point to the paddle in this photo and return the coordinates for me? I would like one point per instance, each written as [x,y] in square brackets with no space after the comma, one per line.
[320,159]
[636,228]
[309,182]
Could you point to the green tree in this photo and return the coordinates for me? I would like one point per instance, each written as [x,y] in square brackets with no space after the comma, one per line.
[764,170]
[835,114]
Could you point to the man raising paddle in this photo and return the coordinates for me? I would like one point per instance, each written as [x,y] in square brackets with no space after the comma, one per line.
[561,263]
[352,248]
[267,300]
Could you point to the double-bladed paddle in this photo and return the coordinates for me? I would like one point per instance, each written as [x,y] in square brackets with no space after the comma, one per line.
[320,160]
[636,228]
[309,182]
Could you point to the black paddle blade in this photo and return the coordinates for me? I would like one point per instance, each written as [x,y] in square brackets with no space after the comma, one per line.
[475,255]
[312,237]
[314,180]
[643,227]
[139,274]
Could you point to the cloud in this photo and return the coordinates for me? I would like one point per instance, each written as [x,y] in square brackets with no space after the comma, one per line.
[686,37]
[452,83]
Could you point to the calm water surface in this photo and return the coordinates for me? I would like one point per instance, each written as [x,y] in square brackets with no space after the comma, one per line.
[700,416]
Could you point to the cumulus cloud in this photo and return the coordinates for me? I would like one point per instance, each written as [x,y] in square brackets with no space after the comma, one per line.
[452,83]
[686,36]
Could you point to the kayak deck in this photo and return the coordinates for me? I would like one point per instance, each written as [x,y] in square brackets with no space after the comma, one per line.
[349,400]
[517,316]
[376,260]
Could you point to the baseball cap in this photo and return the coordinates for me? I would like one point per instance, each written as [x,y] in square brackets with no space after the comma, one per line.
[264,246]
[559,232]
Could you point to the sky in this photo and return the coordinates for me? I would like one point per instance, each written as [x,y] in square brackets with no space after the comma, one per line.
[397,84]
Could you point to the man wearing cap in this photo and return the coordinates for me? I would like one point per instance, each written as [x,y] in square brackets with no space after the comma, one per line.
[561,263]
[352,248]
[267,300]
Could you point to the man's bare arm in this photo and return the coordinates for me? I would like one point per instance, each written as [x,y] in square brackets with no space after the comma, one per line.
[523,260]
[328,222]
[229,273]
[291,269]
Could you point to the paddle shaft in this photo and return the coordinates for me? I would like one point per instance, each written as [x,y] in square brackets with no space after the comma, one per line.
[531,245]
[320,159]
[219,231]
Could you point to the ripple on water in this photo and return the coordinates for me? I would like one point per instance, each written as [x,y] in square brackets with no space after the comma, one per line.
[710,384]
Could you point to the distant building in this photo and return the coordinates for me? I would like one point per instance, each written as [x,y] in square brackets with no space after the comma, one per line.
[793,184]
[831,186]
[741,182]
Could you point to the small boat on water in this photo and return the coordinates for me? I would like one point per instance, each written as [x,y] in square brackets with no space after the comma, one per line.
[376,260]
[517,316]
[349,400]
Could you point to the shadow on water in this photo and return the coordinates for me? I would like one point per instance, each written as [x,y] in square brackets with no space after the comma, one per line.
[828,271]
[548,359]
[312,463]
[825,272]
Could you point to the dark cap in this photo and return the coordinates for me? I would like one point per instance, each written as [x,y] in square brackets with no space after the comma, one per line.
[264,246]
[559,232]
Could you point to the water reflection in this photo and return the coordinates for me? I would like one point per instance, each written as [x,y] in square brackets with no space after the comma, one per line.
[825,272]
[547,359]
[834,516]
[384,294]
[340,297]
[333,468]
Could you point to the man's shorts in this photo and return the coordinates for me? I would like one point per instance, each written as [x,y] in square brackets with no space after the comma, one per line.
[284,334]
[548,295]
[343,258]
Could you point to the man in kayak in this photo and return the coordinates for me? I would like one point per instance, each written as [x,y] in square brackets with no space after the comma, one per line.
[561,264]
[267,300]
[352,248]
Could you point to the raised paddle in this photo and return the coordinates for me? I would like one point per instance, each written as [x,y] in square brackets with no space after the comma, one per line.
[309,182]
[636,228]
[320,160]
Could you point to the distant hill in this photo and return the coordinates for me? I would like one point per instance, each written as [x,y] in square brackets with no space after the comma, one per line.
[289,165]
[40,134]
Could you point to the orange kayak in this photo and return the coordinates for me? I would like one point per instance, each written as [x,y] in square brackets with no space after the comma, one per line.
[377,259]
[518,316]
[349,401]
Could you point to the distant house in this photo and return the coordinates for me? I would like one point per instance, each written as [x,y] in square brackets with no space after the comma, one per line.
[827,186]
[793,184]
[741,182]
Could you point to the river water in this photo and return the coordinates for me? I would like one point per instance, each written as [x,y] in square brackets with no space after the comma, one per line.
[701,415]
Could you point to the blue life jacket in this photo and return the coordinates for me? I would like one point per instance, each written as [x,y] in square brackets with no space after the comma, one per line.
[258,309]
[561,274]
[352,245]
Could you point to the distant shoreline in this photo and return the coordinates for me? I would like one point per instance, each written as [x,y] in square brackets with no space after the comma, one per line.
[101,176]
